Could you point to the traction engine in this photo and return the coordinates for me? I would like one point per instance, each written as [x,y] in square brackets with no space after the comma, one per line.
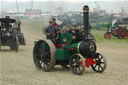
[71,50]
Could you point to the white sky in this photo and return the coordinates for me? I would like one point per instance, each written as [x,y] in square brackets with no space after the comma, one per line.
[65,0]
[115,6]
[45,0]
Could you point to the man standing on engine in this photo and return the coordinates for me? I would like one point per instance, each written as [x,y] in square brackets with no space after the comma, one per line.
[54,23]
[51,31]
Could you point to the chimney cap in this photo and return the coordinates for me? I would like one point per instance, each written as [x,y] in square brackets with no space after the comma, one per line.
[86,7]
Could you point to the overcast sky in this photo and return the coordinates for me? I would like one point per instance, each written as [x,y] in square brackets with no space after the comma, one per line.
[73,5]
[65,0]
[45,0]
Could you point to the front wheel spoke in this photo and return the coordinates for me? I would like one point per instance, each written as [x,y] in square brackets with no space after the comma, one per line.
[100,66]
[95,65]
[77,59]
[79,69]
[73,60]
[72,63]
[96,60]
[101,62]
[75,69]
[100,58]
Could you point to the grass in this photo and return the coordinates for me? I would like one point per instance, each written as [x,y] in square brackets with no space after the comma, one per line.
[36,25]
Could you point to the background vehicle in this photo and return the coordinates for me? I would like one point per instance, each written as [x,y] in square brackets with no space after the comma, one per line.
[8,34]
[119,29]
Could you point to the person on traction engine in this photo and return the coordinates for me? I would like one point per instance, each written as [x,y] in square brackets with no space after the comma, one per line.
[54,23]
[51,31]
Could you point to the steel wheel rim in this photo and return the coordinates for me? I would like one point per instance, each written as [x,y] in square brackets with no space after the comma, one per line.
[107,35]
[101,63]
[43,57]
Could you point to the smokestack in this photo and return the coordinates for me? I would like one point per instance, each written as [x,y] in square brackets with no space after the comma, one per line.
[86,21]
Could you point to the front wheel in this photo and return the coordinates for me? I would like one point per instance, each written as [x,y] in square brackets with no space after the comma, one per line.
[15,44]
[107,36]
[101,63]
[77,64]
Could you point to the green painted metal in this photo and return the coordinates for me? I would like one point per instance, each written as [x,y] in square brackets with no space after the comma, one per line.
[66,38]
[63,54]
[115,26]
[73,45]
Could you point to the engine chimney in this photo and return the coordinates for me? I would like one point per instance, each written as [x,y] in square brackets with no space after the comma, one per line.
[86,21]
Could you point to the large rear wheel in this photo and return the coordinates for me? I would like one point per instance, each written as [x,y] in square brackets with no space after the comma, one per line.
[122,34]
[44,55]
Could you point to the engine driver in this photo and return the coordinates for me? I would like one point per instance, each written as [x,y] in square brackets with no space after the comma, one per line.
[54,23]
[51,31]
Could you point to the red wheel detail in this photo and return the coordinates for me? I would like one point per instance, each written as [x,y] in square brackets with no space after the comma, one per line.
[122,34]
[90,61]
[107,35]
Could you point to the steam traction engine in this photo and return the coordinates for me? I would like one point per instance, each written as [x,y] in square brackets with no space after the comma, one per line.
[119,30]
[8,34]
[74,50]
[121,33]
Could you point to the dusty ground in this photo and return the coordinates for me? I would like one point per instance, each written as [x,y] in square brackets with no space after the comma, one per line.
[18,68]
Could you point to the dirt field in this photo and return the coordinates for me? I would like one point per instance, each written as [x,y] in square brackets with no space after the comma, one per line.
[18,68]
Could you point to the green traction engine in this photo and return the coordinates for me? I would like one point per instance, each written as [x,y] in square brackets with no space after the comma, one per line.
[72,50]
